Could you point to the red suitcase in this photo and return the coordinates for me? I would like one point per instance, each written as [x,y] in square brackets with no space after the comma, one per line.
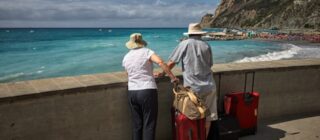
[186,129]
[244,107]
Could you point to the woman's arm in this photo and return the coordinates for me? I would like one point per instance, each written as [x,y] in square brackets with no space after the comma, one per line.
[156,59]
[171,64]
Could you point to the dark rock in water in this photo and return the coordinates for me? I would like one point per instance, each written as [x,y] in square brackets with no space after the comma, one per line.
[268,14]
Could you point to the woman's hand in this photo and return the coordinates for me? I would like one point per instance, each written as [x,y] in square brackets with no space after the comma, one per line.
[175,80]
[158,74]
[156,59]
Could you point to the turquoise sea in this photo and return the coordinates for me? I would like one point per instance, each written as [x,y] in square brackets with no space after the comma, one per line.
[27,53]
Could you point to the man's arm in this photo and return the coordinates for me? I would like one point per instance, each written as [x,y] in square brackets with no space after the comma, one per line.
[175,57]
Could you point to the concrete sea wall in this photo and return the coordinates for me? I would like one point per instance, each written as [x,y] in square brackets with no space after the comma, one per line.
[94,107]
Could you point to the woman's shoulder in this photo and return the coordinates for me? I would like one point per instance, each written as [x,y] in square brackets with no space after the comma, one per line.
[140,51]
[146,49]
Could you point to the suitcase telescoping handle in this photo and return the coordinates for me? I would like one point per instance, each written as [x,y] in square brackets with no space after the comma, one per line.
[248,95]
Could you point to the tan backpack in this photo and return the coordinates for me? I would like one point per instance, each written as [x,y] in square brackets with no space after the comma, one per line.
[188,103]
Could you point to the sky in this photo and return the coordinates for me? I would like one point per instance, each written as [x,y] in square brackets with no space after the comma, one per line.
[103,13]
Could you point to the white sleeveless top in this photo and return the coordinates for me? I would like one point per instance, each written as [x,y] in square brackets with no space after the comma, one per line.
[140,69]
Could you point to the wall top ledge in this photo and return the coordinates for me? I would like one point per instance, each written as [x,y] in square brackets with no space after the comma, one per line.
[265,65]
[62,85]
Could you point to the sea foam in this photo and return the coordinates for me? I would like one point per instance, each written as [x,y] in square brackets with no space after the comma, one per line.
[11,76]
[286,54]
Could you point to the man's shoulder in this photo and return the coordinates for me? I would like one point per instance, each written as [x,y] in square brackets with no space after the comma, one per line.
[194,41]
[187,42]
[184,42]
[203,43]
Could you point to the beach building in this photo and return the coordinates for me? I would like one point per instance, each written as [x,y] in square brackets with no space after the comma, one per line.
[218,34]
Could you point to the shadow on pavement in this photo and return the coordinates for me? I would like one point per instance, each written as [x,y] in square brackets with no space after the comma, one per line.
[266,132]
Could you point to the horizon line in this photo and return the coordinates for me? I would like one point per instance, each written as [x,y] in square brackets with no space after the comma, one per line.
[84,27]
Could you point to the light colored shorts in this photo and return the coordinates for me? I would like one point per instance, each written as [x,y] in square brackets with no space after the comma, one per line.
[211,102]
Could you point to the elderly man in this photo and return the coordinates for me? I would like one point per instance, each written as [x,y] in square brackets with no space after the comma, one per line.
[196,58]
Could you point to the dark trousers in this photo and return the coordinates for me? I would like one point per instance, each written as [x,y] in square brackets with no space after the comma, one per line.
[144,109]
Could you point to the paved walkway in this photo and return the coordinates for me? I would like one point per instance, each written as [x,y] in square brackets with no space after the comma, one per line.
[294,128]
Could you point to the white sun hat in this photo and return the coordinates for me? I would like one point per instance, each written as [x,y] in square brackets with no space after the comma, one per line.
[195,29]
[136,41]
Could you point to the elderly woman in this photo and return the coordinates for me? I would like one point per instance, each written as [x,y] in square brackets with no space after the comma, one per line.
[142,88]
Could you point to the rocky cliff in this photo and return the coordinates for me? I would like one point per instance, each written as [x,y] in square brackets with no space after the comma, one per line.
[282,14]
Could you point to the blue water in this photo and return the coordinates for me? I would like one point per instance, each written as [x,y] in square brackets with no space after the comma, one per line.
[41,53]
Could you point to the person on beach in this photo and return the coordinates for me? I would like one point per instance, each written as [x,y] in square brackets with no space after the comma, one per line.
[142,88]
[196,58]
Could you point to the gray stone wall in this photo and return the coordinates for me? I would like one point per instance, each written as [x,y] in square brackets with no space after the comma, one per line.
[94,107]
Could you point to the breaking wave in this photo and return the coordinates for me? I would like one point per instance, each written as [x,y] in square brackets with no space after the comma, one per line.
[14,76]
[11,76]
[286,54]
